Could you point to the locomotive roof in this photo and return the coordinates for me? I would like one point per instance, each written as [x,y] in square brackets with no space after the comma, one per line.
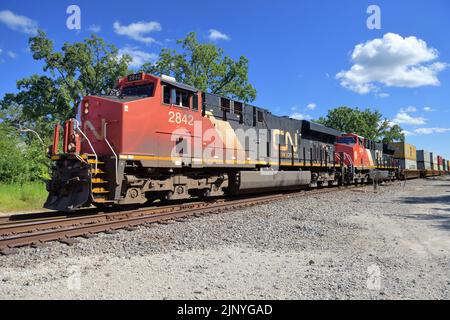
[309,126]
[179,85]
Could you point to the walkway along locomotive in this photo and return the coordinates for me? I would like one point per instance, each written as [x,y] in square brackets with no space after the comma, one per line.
[155,138]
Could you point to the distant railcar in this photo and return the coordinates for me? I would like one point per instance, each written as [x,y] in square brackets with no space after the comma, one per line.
[406,154]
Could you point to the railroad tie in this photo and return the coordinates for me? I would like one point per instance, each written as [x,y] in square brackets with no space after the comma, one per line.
[68,241]
[8,251]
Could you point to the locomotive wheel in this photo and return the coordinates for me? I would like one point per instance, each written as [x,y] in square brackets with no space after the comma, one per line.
[204,193]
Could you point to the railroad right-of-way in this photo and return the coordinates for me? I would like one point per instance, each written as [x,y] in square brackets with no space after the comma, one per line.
[351,244]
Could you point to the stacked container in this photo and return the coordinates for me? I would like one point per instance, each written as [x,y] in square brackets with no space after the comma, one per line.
[423,160]
[434,161]
[406,154]
[440,163]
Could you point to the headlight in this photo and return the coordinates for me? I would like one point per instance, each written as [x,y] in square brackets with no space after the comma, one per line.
[86,107]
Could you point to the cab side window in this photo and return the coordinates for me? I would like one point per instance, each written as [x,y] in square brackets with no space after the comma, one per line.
[183,99]
[195,102]
[176,97]
[166,94]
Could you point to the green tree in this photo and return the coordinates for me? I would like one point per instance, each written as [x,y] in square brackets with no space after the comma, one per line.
[366,123]
[204,66]
[90,67]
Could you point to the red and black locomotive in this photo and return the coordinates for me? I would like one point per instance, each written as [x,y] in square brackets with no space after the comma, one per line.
[154,138]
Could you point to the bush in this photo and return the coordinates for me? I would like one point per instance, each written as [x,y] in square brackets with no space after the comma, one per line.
[22,158]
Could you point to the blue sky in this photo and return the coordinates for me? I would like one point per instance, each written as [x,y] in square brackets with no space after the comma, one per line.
[305,56]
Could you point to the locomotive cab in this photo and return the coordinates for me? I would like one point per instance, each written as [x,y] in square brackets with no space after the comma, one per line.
[121,138]
[365,158]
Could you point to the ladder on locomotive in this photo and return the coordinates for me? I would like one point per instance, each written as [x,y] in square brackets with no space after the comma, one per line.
[100,192]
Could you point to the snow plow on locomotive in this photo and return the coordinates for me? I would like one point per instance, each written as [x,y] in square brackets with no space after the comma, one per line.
[155,138]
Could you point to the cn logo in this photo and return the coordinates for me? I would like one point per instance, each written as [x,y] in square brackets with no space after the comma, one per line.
[98,133]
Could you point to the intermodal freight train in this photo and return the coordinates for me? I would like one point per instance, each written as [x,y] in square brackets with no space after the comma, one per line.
[154,138]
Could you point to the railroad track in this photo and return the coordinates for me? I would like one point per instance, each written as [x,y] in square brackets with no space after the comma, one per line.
[64,228]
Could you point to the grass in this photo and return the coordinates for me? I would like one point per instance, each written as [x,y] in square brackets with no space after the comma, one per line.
[16,197]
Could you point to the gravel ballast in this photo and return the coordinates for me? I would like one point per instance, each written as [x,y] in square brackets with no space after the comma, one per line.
[352,244]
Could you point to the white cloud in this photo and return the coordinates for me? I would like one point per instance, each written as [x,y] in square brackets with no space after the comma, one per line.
[382,95]
[217,35]
[405,118]
[426,131]
[392,61]
[407,133]
[311,106]
[389,123]
[300,116]
[138,57]
[408,109]
[11,54]
[138,30]
[95,28]
[18,23]
[428,109]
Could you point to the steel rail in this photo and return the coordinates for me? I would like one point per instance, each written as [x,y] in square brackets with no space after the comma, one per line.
[29,233]
[17,227]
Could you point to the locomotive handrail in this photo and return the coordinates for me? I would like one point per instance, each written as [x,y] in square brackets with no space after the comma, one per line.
[77,126]
[349,158]
[346,156]
[115,155]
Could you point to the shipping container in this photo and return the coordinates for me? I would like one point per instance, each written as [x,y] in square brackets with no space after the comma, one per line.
[404,150]
[423,156]
[434,162]
[421,165]
[406,164]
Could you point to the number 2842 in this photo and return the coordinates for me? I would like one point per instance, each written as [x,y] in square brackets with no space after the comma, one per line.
[179,118]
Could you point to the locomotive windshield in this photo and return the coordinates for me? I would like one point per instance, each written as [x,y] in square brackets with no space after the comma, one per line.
[145,90]
[347,140]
